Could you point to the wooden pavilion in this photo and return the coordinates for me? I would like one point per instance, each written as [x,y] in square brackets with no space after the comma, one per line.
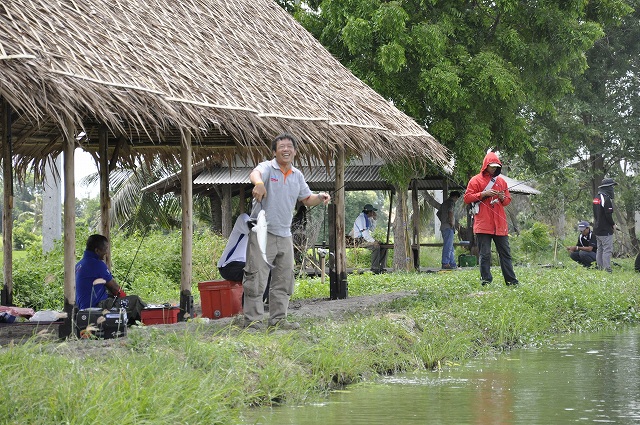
[222,183]
[180,82]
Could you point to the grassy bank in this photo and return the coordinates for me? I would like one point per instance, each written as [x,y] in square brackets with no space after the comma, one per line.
[208,373]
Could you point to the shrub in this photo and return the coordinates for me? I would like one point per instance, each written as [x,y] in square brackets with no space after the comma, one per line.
[533,241]
[148,265]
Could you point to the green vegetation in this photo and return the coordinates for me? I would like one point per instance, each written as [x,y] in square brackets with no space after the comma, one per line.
[145,264]
[208,372]
[148,264]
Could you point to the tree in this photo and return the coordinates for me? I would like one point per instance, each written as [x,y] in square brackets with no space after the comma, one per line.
[473,72]
[594,129]
[400,176]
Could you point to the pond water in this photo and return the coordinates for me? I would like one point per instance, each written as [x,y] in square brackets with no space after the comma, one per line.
[592,378]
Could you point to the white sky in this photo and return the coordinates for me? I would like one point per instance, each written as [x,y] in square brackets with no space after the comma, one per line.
[84,165]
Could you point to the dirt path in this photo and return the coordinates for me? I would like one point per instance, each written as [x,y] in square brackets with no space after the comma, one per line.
[319,308]
[324,308]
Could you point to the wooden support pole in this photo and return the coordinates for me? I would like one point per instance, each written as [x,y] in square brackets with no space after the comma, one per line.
[242,200]
[105,199]
[415,245]
[390,214]
[7,215]
[215,203]
[227,219]
[186,297]
[338,285]
[69,229]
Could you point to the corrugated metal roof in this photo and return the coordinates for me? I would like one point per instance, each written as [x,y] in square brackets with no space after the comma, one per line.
[516,186]
[360,177]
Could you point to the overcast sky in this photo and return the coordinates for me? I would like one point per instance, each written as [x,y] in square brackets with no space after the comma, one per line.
[84,165]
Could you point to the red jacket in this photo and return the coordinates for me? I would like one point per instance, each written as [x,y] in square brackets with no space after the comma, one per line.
[491,219]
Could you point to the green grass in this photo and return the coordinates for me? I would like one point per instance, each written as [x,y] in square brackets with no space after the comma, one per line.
[17,255]
[205,373]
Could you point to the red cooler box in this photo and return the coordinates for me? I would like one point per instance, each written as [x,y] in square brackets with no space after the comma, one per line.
[220,298]
[159,314]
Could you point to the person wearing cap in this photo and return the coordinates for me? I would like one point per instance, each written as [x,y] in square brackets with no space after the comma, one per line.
[584,252]
[447,228]
[487,194]
[362,233]
[604,226]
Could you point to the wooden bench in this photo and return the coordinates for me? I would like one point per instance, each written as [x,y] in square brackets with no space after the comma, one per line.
[434,244]
[414,248]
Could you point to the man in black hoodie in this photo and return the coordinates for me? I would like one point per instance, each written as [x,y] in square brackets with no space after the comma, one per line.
[604,225]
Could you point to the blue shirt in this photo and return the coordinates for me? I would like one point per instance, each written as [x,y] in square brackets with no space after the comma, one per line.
[90,268]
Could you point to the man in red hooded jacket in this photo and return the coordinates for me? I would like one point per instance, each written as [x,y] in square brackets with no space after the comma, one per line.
[488,194]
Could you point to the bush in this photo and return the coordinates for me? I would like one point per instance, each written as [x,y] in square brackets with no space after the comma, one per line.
[148,265]
[533,242]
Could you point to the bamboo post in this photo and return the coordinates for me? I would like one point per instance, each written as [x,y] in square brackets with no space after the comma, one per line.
[186,297]
[7,215]
[227,219]
[338,286]
[105,199]
[69,228]
[415,248]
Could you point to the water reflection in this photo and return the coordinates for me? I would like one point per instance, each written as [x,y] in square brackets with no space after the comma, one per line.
[582,379]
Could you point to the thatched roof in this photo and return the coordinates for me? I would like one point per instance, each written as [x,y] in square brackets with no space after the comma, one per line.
[234,74]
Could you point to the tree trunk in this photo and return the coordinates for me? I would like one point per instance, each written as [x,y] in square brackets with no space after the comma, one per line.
[401,240]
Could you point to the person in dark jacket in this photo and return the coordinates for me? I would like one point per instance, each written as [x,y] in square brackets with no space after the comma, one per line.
[584,252]
[488,194]
[447,228]
[604,225]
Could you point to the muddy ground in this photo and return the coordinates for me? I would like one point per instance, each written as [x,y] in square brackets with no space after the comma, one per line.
[299,310]
[323,308]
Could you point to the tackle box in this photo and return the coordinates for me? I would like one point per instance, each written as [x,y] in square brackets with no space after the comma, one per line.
[159,314]
[99,323]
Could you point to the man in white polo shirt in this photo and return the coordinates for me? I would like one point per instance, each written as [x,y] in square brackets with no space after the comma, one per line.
[277,187]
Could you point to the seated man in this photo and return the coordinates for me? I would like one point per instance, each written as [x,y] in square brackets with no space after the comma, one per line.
[96,287]
[361,233]
[584,252]
[234,256]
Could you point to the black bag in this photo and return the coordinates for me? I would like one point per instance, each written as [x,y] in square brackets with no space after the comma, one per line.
[99,323]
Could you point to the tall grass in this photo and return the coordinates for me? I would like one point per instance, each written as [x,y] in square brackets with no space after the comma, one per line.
[207,373]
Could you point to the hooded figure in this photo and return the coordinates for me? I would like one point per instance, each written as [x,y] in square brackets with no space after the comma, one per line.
[604,225]
[488,194]
[491,217]
[603,208]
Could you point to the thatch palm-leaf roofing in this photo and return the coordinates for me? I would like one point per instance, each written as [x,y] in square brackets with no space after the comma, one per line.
[232,73]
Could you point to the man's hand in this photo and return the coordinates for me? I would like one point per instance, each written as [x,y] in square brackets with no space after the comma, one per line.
[571,248]
[259,192]
[325,198]
[121,294]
